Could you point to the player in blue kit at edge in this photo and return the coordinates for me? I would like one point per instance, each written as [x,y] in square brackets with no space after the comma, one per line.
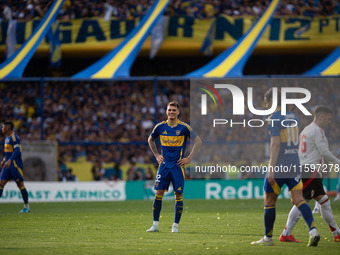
[173,135]
[12,165]
[284,145]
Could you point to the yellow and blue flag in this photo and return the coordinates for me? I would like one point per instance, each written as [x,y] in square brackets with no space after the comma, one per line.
[14,66]
[207,45]
[54,48]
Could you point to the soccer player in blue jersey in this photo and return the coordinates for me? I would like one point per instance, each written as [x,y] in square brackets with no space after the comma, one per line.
[173,135]
[11,165]
[284,142]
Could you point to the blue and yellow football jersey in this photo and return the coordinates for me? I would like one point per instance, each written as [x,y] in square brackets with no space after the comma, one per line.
[11,143]
[173,140]
[287,128]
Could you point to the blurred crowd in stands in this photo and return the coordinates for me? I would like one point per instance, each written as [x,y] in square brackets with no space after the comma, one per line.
[116,118]
[25,10]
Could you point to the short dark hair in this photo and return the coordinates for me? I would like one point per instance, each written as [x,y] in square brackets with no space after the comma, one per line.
[9,123]
[268,95]
[322,109]
[173,103]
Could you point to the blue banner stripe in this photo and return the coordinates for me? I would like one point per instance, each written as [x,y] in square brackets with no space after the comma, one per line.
[16,64]
[325,64]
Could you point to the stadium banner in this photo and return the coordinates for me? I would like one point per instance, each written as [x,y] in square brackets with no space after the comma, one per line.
[118,62]
[66,192]
[329,66]
[40,160]
[14,66]
[186,34]
[141,190]
[231,61]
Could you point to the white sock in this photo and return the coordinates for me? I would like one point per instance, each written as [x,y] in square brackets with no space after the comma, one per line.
[313,232]
[266,238]
[26,206]
[317,205]
[175,225]
[293,217]
[326,213]
[155,223]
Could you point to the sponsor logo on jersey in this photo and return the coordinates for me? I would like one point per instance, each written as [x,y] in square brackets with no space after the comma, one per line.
[172,140]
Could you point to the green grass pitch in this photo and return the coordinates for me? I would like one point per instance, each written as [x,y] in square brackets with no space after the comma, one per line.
[207,227]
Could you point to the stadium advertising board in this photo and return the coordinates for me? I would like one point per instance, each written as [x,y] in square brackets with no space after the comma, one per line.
[187,32]
[66,192]
[140,190]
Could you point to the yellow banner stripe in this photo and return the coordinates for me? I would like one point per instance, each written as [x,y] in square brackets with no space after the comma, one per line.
[111,67]
[223,68]
[333,69]
[22,54]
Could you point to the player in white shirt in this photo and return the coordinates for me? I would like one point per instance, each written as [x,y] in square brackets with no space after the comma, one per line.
[313,150]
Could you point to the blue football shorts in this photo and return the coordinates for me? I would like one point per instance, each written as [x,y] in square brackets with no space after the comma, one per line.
[12,173]
[165,175]
[292,184]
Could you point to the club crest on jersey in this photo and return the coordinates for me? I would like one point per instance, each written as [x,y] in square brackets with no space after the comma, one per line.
[178,132]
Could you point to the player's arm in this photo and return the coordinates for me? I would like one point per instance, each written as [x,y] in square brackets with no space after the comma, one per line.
[321,144]
[16,153]
[194,150]
[154,150]
[275,143]
[2,163]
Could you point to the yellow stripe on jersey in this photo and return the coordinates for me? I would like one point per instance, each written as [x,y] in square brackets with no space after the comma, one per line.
[185,124]
[8,148]
[172,140]
[284,135]
[19,169]
[13,137]
[158,125]
[173,125]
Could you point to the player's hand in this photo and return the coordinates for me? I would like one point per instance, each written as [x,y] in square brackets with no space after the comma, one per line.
[159,158]
[2,164]
[270,178]
[8,163]
[183,161]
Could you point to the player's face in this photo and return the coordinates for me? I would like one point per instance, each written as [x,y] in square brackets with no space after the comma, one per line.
[327,119]
[172,112]
[4,129]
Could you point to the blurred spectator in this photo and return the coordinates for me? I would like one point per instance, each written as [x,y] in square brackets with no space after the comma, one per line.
[98,171]
[149,174]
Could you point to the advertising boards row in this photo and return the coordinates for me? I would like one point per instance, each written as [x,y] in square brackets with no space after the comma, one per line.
[140,190]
